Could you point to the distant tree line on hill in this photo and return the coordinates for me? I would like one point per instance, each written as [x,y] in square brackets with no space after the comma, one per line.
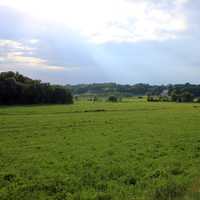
[108,89]
[178,92]
[18,89]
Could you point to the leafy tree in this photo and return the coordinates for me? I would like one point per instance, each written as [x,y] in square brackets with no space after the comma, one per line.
[18,89]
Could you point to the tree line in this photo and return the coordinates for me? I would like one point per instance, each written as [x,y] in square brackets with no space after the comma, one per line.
[177,92]
[107,89]
[18,89]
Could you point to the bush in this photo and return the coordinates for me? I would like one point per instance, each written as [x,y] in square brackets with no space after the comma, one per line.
[112,99]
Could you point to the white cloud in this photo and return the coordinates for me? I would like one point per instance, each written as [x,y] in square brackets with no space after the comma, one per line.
[31,62]
[2,59]
[181,1]
[12,45]
[21,67]
[33,41]
[15,55]
[103,21]
[134,21]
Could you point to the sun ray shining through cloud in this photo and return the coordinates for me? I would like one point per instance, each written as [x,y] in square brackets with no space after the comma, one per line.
[101,40]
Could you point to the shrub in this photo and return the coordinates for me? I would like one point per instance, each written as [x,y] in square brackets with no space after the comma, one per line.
[112,99]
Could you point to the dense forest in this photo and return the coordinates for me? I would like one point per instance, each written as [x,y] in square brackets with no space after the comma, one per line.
[18,89]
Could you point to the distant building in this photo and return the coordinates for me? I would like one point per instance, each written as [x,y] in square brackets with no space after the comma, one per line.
[164,93]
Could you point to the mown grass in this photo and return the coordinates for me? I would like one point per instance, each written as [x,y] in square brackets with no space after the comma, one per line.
[100,151]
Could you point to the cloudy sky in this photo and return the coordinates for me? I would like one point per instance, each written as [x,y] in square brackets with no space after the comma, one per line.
[87,41]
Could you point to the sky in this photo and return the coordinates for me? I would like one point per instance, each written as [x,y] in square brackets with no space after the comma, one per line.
[95,41]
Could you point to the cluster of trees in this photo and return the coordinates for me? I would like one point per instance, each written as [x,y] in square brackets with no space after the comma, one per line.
[178,93]
[180,88]
[184,93]
[182,97]
[18,89]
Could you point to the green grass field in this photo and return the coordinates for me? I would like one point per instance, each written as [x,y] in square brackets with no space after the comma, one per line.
[132,150]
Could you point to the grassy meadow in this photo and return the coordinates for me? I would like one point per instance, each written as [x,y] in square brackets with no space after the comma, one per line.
[132,150]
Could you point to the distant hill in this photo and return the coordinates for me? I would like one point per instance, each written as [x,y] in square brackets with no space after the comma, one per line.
[178,92]
[117,89]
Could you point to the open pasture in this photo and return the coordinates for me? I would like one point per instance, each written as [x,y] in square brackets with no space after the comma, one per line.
[100,151]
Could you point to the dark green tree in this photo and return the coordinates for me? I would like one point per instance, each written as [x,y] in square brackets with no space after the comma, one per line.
[18,89]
